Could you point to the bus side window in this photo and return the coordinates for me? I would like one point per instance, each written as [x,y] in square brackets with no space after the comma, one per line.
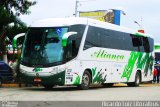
[146,44]
[93,38]
[74,48]
[68,54]
[71,49]
[136,42]
[151,44]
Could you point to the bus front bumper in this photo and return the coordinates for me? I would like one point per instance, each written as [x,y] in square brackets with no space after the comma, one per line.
[40,78]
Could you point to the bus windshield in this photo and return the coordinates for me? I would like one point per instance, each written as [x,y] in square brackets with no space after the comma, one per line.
[43,46]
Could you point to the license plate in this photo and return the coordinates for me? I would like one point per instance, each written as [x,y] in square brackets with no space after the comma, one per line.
[37,80]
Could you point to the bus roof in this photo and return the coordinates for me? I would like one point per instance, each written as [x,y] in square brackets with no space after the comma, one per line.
[60,22]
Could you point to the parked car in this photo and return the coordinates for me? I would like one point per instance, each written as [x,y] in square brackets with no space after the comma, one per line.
[6,73]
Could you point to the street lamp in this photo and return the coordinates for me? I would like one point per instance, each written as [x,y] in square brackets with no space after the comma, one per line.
[138,24]
[141,30]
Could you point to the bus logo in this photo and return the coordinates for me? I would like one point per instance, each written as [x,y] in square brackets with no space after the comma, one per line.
[37,69]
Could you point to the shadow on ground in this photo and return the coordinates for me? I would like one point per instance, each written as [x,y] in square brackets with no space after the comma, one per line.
[68,88]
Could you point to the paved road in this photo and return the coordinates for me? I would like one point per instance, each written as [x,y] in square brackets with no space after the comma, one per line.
[98,93]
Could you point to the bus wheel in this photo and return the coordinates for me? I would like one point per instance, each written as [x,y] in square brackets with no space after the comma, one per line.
[107,84]
[136,82]
[0,82]
[86,80]
[48,86]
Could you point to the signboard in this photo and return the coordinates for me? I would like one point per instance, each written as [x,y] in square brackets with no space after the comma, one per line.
[102,15]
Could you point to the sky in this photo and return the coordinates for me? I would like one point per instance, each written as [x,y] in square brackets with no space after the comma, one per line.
[145,12]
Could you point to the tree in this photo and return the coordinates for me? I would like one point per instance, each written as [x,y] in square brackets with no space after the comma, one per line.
[9,12]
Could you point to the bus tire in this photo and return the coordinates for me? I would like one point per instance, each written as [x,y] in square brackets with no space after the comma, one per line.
[86,80]
[108,84]
[48,87]
[137,81]
[0,82]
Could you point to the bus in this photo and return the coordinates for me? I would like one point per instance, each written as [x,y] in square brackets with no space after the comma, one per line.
[157,54]
[83,51]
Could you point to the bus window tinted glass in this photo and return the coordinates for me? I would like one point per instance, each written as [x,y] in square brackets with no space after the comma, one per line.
[106,38]
[93,38]
[78,37]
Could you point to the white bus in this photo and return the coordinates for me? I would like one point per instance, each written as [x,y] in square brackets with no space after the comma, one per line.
[157,54]
[81,51]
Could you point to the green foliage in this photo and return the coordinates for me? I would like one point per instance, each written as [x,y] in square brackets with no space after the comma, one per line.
[19,27]
[17,6]
[10,10]
[10,24]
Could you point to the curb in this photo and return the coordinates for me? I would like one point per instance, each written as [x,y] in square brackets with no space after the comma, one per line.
[142,84]
[150,84]
[12,85]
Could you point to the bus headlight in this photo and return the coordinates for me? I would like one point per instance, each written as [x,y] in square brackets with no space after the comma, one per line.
[62,69]
[55,71]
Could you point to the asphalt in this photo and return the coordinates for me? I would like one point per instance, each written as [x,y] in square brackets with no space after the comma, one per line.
[117,85]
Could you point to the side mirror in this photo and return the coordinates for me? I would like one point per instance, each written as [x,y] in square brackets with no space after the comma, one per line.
[15,39]
[66,36]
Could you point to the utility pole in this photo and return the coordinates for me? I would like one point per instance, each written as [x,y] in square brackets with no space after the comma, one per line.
[78,4]
[76,8]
